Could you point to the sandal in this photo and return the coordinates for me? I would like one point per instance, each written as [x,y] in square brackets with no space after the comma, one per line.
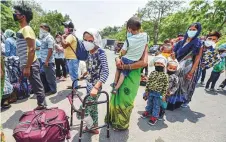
[114,91]
[92,131]
[5,104]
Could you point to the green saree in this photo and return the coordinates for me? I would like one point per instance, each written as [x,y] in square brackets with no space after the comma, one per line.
[3,78]
[121,105]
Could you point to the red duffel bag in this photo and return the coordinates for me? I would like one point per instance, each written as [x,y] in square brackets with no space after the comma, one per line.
[47,125]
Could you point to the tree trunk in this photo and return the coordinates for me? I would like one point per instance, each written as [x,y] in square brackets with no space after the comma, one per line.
[155,41]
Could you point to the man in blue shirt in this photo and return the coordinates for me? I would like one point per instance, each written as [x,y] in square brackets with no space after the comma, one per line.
[47,57]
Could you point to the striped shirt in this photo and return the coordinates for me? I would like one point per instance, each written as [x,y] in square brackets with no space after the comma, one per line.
[97,67]
[22,48]
[46,44]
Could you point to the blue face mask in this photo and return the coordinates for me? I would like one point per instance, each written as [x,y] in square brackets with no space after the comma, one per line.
[191,34]
[129,34]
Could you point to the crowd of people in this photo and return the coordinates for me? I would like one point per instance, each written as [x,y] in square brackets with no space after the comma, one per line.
[35,65]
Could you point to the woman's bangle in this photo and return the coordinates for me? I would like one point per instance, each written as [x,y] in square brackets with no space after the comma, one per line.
[129,66]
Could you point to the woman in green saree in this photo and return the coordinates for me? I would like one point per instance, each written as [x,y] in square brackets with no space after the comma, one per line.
[121,105]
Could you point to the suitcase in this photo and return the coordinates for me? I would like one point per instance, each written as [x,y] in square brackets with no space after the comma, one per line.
[47,125]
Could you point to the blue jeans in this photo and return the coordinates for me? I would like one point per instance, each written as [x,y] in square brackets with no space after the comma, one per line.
[73,65]
[126,62]
[153,104]
[51,76]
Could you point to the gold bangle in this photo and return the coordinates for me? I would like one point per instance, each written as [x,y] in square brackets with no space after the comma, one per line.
[129,66]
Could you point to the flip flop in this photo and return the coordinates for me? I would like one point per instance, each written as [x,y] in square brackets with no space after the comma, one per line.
[92,131]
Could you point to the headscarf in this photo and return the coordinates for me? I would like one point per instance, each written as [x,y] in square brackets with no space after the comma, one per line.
[194,45]
[96,36]
[9,33]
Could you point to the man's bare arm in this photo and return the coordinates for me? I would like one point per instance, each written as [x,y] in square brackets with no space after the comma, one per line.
[31,51]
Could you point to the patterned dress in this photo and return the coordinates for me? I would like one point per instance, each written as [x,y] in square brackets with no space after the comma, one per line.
[158,82]
[97,68]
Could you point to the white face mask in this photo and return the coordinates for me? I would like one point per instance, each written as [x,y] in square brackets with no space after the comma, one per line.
[42,33]
[209,43]
[88,45]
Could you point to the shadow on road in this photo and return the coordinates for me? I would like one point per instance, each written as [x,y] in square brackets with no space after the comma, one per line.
[13,120]
[144,126]
[182,114]
[222,92]
[86,137]
[61,95]
[115,136]
[212,93]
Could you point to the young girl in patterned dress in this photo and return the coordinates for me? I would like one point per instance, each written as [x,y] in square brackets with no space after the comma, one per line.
[97,72]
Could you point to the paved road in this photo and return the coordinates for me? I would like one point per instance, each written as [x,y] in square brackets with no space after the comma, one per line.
[204,121]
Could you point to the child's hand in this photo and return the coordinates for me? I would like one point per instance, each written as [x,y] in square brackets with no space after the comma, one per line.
[145,97]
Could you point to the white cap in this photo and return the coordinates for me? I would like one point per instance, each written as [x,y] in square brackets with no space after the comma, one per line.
[160,59]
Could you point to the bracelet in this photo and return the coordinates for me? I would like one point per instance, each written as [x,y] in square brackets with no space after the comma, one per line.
[129,66]
[96,88]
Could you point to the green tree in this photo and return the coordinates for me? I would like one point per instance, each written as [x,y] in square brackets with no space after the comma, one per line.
[212,15]
[54,19]
[155,11]
[174,24]
[7,21]
[109,31]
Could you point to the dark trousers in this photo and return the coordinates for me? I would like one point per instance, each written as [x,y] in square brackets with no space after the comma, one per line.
[203,75]
[213,79]
[223,84]
[146,70]
[36,83]
[61,63]
[51,76]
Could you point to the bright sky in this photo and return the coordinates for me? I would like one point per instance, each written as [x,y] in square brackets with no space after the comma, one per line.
[95,14]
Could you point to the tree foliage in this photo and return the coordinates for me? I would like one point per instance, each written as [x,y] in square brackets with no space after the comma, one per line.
[163,19]
[7,18]
[53,18]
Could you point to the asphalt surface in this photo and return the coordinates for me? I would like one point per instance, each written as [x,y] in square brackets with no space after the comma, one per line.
[203,121]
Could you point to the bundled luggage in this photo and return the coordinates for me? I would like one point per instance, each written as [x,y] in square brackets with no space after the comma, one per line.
[47,125]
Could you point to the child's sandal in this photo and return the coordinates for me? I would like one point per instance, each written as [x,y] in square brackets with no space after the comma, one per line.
[114,91]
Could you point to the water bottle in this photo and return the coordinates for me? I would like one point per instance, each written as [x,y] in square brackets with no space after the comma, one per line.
[89,121]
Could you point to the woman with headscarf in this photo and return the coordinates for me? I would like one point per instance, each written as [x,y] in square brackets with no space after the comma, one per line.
[10,43]
[188,52]
[121,105]
[97,72]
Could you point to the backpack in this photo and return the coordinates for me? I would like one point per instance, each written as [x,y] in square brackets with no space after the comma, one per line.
[81,52]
